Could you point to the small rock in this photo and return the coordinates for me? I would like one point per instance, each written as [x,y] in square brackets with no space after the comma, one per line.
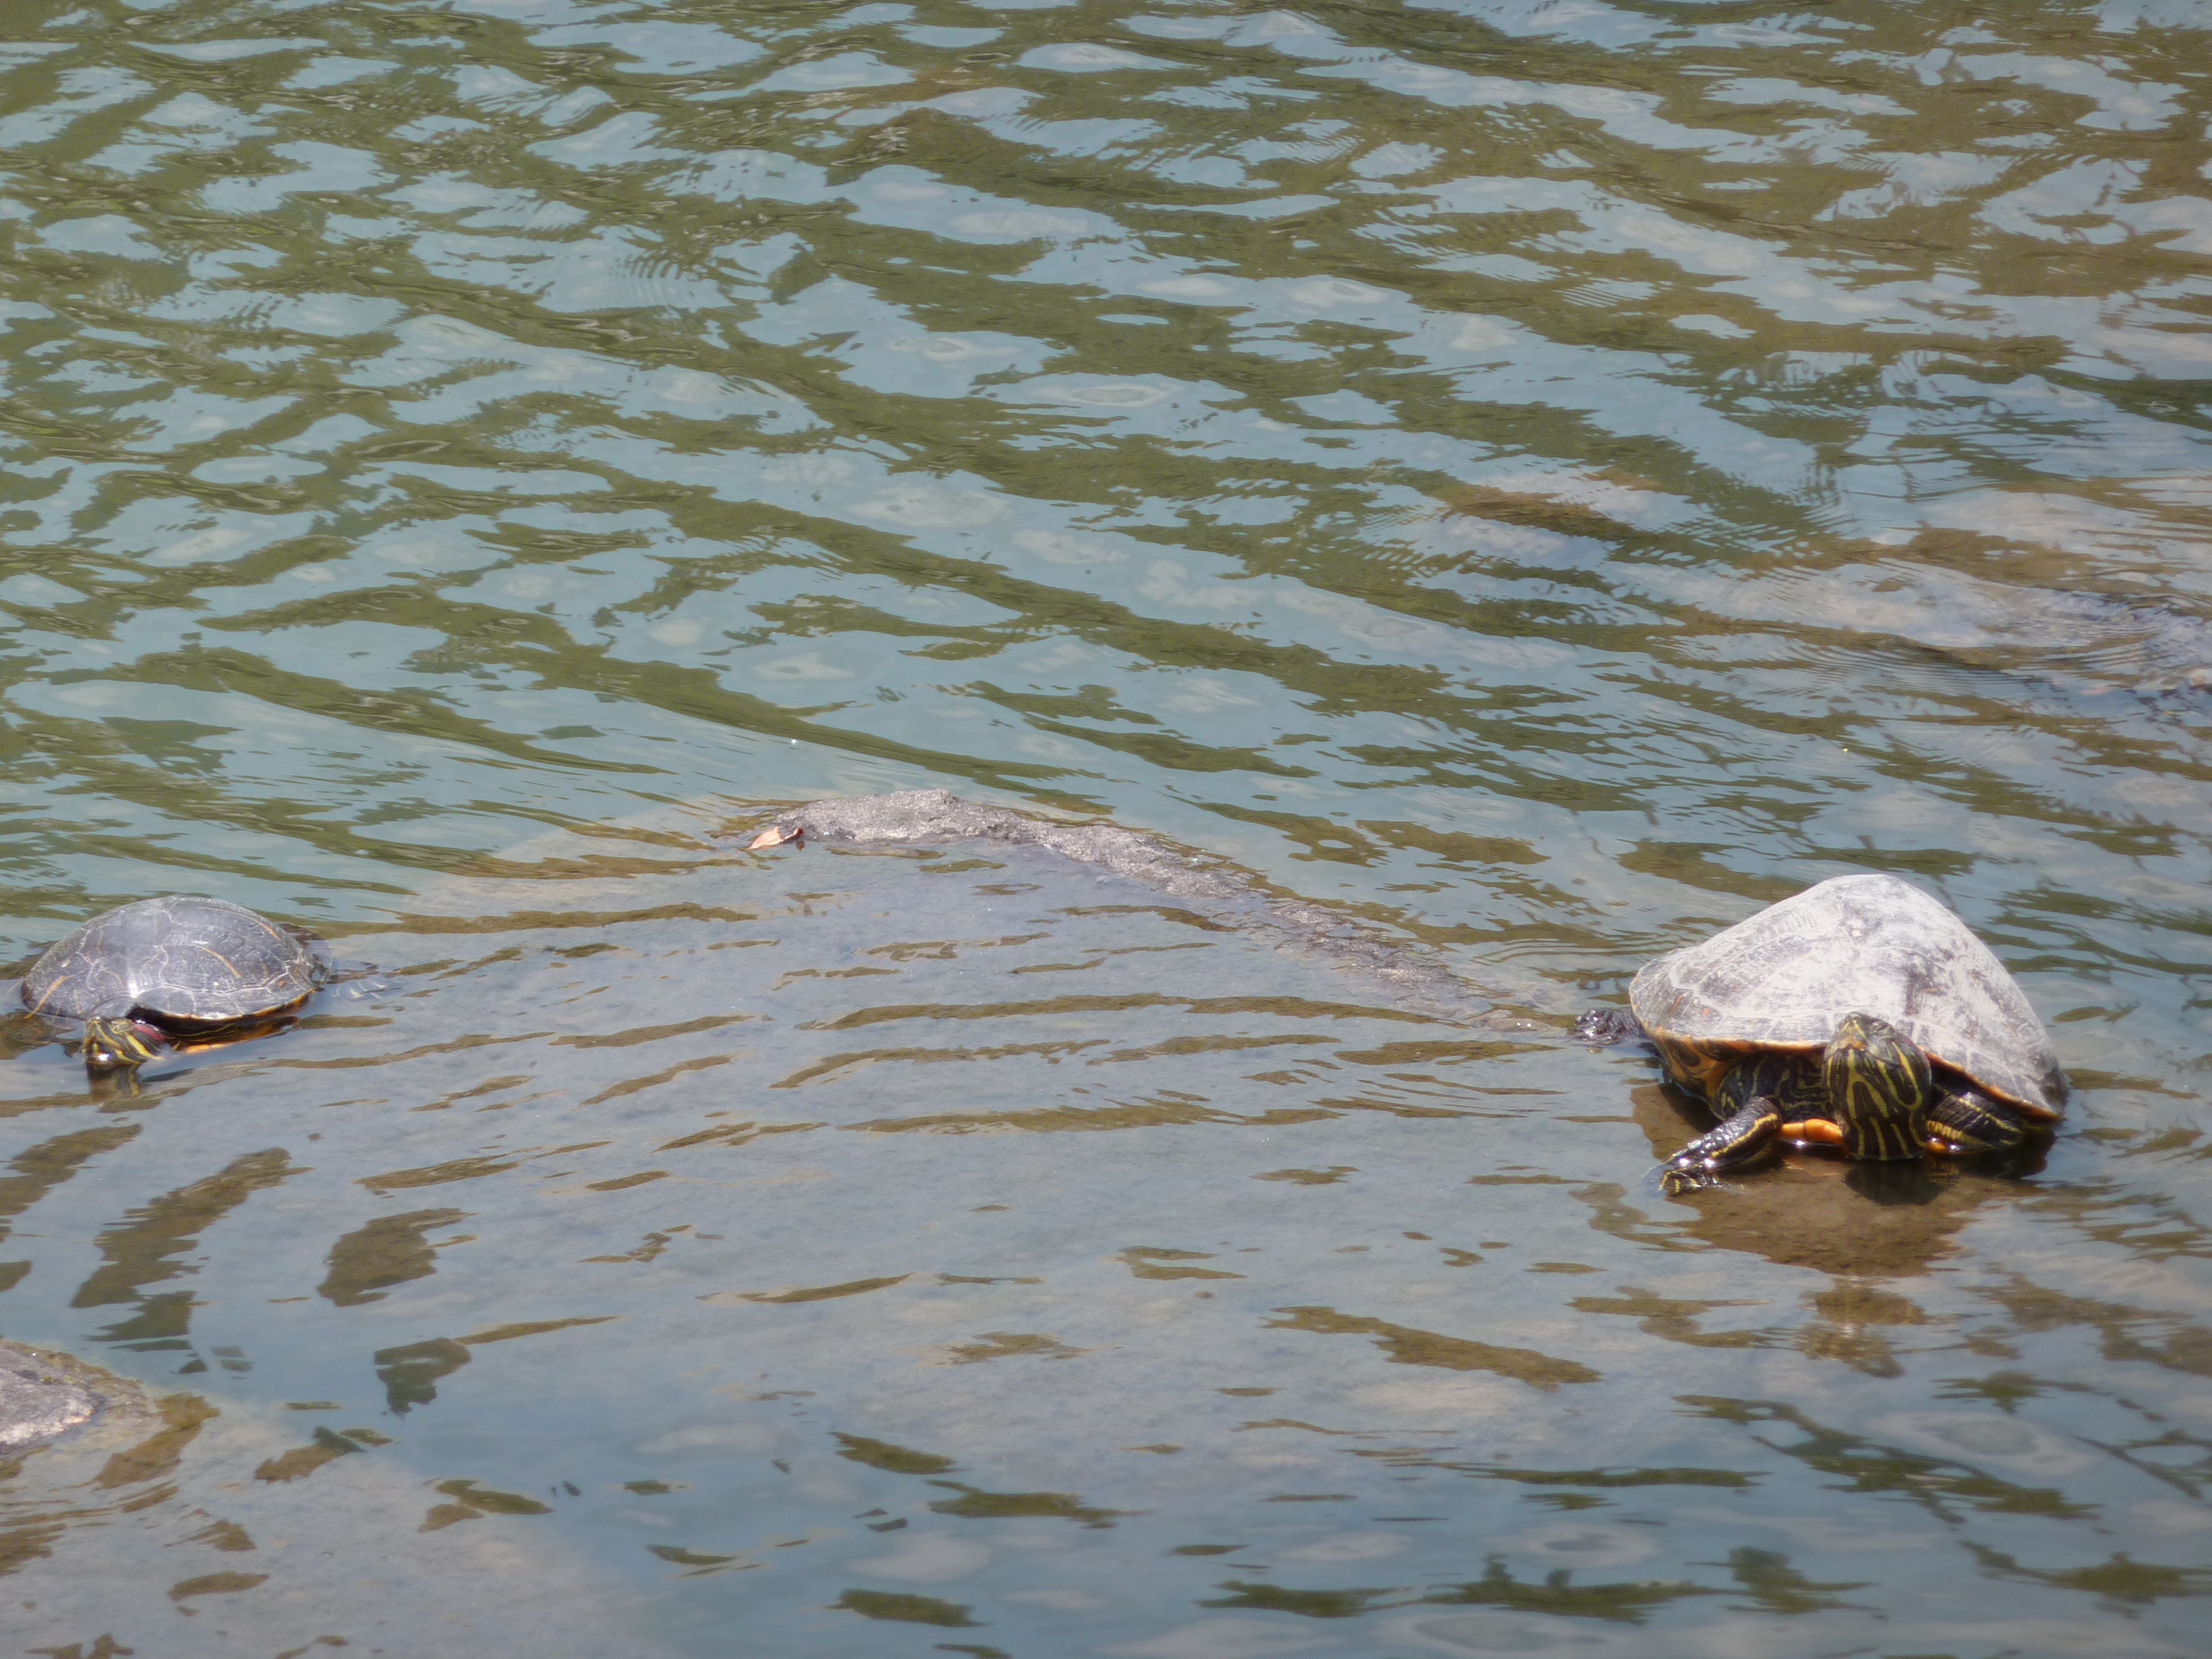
[36,1401]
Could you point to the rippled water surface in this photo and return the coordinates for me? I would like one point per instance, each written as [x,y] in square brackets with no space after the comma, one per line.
[1536,480]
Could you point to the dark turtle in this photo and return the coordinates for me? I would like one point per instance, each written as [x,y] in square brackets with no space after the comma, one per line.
[1861,1014]
[165,969]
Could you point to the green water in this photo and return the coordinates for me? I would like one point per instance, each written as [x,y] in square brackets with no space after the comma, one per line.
[1539,480]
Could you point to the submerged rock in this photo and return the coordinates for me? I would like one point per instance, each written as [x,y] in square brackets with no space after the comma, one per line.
[934,815]
[39,1400]
[918,816]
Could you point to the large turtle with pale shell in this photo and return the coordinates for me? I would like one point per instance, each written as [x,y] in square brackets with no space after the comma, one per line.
[1861,1014]
[176,971]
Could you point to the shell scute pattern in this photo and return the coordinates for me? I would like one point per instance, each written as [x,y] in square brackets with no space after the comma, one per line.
[1870,945]
[197,961]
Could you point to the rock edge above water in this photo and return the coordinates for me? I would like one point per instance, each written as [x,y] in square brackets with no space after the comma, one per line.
[39,1400]
[915,816]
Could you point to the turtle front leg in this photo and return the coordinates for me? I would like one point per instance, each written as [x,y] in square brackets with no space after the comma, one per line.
[114,1045]
[1749,1102]
[1967,1122]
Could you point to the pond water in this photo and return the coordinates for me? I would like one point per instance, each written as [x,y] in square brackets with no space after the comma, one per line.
[1531,482]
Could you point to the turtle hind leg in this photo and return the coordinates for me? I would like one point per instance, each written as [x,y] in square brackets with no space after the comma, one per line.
[1751,1096]
[1966,1122]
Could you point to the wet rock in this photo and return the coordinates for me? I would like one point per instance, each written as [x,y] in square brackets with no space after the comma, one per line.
[39,1400]
[918,816]
[938,815]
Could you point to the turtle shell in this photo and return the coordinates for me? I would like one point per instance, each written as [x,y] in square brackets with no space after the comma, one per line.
[176,960]
[1869,944]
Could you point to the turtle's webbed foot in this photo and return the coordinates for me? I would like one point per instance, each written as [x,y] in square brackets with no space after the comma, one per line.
[1736,1142]
[1692,1169]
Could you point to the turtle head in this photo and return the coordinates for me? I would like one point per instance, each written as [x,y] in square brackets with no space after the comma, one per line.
[1879,1083]
[113,1045]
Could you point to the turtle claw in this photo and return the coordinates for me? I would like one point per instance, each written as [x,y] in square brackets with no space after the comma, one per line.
[1676,1179]
[1704,1162]
[1745,1137]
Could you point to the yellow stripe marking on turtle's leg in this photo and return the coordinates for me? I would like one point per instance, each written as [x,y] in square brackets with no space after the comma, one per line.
[1966,1122]
[1748,1103]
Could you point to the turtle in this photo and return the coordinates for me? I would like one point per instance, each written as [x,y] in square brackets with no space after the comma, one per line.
[1861,1013]
[147,974]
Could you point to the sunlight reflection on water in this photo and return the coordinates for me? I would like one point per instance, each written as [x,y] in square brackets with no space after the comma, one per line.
[1534,482]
